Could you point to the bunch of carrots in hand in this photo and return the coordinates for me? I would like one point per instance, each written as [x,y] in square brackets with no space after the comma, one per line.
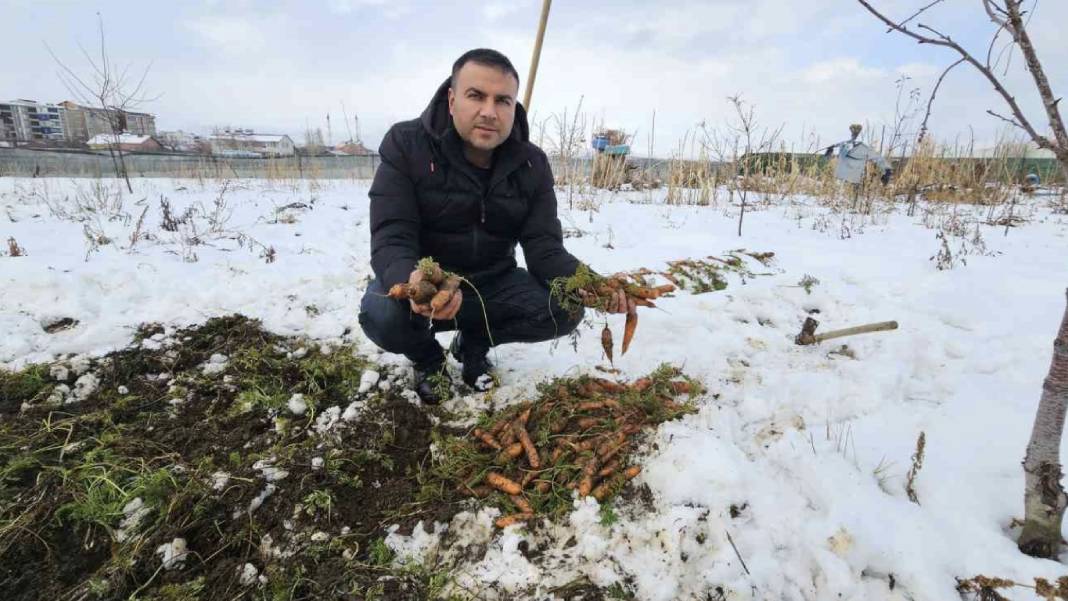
[613,294]
[432,291]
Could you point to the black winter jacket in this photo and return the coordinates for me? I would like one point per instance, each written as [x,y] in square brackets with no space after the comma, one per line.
[427,200]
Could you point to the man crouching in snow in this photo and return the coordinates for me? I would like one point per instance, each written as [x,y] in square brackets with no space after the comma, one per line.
[463,184]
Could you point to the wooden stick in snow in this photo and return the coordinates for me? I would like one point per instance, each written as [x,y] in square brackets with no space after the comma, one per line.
[808,333]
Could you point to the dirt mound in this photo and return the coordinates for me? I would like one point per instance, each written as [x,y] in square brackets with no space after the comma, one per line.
[216,462]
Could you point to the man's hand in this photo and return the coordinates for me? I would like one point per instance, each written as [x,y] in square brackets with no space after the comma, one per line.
[618,303]
[446,313]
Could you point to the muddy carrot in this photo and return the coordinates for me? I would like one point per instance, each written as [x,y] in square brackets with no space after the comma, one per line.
[510,452]
[628,331]
[609,469]
[497,427]
[606,342]
[398,291]
[503,484]
[480,492]
[682,387]
[632,471]
[641,384]
[422,292]
[521,503]
[527,477]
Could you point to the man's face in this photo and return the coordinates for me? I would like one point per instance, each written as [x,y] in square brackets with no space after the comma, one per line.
[482,104]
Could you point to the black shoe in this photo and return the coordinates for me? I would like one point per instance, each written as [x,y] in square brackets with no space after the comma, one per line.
[431,382]
[476,364]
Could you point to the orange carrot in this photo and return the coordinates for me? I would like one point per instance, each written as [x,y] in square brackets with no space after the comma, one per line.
[632,471]
[440,299]
[610,386]
[508,520]
[586,423]
[628,331]
[522,504]
[585,486]
[528,446]
[503,484]
[590,406]
[641,384]
[486,438]
[398,292]
[543,486]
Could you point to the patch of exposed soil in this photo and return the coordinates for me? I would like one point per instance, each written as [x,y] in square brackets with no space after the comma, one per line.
[198,448]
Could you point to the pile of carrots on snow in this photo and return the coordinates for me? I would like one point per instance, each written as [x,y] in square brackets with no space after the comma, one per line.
[576,437]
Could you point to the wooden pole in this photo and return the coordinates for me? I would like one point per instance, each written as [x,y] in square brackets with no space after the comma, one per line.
[537,54]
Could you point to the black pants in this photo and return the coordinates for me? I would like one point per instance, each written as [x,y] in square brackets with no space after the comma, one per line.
[518,309]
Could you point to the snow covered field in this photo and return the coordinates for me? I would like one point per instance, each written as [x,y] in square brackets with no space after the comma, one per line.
[799,454]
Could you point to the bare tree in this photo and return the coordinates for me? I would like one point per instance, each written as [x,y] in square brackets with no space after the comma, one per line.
[756,140]
[570,137]
[111,88]
[1044,497]
[1009,17]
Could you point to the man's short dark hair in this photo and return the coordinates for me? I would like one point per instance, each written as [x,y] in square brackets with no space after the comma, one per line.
[486,57]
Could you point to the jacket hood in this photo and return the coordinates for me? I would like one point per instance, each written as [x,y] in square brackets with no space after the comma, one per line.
[437,121]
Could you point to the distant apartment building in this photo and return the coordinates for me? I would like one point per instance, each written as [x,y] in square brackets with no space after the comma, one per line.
[84,122]
[245,143]
[30,122]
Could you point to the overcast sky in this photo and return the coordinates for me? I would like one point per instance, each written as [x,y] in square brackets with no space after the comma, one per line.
[811,66]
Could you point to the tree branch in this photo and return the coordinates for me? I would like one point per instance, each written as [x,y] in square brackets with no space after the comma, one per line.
[930,101]
[946,41]
[918,13]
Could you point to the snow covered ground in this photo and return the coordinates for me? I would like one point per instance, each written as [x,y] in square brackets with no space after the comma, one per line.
[797,453]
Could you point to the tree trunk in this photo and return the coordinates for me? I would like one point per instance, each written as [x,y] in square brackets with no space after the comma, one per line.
[1044,498]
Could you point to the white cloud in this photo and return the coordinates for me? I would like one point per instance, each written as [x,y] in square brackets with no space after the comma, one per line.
[841,69]
[229,32]
[494,11]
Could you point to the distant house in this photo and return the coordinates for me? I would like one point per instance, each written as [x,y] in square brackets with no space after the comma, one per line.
[352,149]
[125,143]
[245,143]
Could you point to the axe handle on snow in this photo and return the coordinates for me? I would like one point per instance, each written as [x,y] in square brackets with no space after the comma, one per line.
[808,333]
